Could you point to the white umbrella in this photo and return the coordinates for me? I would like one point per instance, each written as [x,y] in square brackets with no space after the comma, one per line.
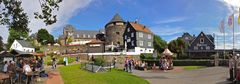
[167,52]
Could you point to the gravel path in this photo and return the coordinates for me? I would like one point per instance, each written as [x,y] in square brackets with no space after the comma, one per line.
[210,75]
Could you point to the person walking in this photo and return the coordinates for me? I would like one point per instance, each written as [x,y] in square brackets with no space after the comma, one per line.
[130,65]
[231,65]
[126,65]
[54,63]
[114,62]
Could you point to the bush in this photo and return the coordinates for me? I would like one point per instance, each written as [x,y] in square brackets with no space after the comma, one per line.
[99,61]
[193,62]
[146,56]
[189,62]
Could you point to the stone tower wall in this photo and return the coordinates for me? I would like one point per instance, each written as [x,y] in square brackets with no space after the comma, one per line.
[114,33]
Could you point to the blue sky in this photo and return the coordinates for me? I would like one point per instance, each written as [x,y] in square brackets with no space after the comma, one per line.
[166,18]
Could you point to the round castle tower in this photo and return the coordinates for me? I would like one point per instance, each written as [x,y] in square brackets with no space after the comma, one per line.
[114,31]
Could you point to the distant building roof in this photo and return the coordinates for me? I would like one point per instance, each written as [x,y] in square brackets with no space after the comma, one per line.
[95,41]
[116,18]
[140,27]
[25,43]
[81,33]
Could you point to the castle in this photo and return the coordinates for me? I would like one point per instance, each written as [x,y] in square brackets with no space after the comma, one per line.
[113,34]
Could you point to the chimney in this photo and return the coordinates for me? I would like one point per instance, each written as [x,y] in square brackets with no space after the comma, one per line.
[136,21]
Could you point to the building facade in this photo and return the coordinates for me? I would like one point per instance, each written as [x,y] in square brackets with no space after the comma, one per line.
[71,36]
[201,46]
[138,38]
[23,46]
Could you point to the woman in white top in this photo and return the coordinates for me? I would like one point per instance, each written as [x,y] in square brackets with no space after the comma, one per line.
[5,67]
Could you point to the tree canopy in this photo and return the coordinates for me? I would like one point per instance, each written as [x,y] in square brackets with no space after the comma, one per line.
[159,44]
[177,46]
[1,44]
[44,37]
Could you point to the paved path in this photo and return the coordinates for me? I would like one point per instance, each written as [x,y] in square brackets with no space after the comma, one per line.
[54,78]
[210,75]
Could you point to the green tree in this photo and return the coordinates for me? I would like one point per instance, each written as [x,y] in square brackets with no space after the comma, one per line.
[159,44]
[1,44]
[15,35]
[177,46]
[11,11]
[44,37]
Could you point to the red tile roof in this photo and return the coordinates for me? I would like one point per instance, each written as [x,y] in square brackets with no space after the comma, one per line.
[140,27]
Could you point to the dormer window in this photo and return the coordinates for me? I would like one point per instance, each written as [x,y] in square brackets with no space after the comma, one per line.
[201,40]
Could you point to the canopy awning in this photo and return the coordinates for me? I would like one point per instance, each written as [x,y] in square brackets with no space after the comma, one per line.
[18,53]
[167,52]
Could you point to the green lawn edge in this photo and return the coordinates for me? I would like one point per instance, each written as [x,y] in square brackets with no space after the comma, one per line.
[74,75]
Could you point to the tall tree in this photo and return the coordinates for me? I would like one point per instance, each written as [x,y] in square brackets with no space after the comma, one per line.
[159,44]
[13,16]
[177,46]
[1,44]
[44,37]
[15,35]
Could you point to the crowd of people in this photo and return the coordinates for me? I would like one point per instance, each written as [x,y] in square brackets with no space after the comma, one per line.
[165,63]
[22,68]
[129,64]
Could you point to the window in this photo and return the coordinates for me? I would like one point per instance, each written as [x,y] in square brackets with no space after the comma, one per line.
[128,40]
[201,40]
[132,34]
[208,48]
[141,43]
[140,34]
[77,35]
[195,48]
[117,33]
[132,43]
[84,35]
[94,36]
[149,44]
[149,36]
[128,29]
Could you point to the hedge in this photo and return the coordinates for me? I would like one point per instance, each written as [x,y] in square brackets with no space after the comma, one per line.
[190,62]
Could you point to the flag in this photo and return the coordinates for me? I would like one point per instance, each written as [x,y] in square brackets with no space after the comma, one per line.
[221,26]
[239,17]
[230,21]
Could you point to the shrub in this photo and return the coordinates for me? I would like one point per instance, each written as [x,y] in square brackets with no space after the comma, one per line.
[146,56]
[193,62]
[99,61]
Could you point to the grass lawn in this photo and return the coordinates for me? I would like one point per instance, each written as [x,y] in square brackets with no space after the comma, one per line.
[192,67]
[74,75]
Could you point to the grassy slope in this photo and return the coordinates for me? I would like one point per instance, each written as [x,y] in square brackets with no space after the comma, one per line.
[73,75]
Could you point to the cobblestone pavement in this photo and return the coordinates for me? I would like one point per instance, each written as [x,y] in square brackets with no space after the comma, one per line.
[210,75]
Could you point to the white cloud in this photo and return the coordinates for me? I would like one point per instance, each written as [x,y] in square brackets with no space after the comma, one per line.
[171,20]
[167,30]
[232,5]
[68,8]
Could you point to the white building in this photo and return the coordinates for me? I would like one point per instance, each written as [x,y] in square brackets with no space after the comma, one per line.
[23,46]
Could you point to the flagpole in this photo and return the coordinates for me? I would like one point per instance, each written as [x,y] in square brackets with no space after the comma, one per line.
[224,43]
[233,35]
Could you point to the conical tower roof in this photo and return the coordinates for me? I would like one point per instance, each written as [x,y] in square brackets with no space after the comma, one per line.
[116,18]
